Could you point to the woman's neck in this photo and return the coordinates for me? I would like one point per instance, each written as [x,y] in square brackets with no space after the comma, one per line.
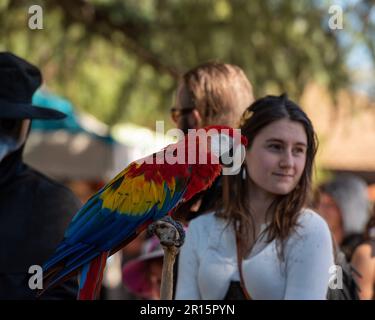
[260,202]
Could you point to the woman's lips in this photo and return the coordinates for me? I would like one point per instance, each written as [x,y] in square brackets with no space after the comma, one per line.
[282,175]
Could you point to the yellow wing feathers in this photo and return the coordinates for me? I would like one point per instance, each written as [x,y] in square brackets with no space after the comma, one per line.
[135,195]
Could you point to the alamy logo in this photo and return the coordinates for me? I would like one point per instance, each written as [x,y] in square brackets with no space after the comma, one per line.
[36,280]
[335,279]
[36,18]
[193,148]
[336,19]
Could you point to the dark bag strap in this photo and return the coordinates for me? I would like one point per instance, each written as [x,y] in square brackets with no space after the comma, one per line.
[239,262]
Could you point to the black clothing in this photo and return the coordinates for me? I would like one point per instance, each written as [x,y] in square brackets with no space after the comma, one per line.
[235,291]
[34,213]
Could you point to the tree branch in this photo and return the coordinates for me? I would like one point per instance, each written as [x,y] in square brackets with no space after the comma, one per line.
[98,20]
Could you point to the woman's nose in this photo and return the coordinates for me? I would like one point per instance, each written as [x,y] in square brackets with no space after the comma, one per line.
[287,160]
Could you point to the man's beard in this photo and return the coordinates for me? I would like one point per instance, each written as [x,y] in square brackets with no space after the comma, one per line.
[13,135]
[7,146]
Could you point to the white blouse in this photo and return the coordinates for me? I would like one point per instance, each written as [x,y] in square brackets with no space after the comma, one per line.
[208,262]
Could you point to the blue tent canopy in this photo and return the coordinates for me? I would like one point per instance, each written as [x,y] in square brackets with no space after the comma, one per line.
[71,123]
[77,147]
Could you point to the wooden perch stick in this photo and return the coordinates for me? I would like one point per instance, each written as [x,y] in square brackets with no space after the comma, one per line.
[171,236]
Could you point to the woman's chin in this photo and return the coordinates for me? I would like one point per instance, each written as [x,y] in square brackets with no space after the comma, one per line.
[281,190]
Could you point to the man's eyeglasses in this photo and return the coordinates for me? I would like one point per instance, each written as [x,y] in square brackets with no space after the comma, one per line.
[177,113]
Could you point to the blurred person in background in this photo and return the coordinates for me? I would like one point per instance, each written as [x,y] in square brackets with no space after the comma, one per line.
[34,210]
[343,202]
[363,260]
[142,275]
[113,288]
[212,93]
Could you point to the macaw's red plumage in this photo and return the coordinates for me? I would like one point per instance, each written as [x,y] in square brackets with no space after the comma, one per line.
[145,191]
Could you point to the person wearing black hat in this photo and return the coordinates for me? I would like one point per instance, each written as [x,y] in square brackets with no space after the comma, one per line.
[34,210]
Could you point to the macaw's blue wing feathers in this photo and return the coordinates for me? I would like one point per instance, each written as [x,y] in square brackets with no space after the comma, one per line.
[111,218]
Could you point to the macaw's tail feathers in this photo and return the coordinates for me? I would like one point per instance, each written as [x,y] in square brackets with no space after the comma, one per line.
[90,280]
[49,278]
[63,265]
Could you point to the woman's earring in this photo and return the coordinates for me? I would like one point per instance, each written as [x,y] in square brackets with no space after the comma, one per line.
[243,173]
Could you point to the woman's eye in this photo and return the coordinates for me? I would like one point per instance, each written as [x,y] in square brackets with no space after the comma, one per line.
[275,147]
[299,151]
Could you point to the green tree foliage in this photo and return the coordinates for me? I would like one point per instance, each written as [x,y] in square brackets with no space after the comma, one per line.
[120,60]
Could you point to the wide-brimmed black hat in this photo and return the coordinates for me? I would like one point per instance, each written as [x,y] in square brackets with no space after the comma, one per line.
[18,82]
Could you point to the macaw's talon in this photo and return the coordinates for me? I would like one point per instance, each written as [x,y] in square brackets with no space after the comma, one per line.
[170,232]
[171,235]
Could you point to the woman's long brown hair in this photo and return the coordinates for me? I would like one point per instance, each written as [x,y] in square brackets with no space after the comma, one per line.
[284,211]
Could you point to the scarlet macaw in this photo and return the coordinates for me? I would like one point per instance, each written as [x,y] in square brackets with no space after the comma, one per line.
[142,193]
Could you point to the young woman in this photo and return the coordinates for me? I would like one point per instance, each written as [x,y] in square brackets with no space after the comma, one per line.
[285,250]
[363,260]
